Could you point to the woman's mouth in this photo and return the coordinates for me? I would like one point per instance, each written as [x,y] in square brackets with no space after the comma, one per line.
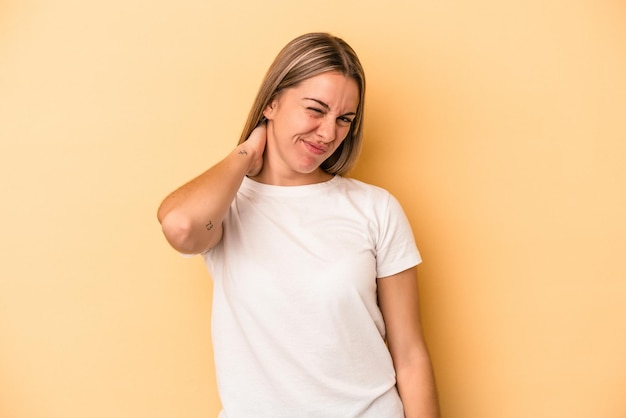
[318,149]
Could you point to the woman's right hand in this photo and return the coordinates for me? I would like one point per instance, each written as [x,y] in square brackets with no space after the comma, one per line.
[255,146]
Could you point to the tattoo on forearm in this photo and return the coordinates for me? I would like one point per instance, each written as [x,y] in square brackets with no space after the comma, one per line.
[243,152]
[209,226]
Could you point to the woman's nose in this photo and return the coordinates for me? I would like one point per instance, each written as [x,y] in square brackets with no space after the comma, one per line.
[326,130]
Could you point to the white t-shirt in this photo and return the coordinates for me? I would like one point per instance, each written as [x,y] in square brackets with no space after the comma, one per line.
[297,331]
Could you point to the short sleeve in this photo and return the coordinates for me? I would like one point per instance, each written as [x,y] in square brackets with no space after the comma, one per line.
[396,250]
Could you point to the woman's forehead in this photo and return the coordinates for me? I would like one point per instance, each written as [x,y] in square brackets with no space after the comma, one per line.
[332,88]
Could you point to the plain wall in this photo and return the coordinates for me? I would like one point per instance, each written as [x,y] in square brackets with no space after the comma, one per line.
[500,127]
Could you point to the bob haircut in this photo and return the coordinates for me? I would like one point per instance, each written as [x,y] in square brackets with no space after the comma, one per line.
[304,57]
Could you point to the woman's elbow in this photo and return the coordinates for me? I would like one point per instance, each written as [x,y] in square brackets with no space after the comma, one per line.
[178,231]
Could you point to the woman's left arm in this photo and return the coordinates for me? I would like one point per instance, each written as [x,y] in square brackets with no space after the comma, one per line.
[399,302]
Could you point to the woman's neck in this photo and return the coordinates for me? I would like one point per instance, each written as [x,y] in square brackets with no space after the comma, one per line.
[273,177]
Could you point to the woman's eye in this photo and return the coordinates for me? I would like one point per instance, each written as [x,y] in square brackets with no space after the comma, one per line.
[314,109]
[345,119]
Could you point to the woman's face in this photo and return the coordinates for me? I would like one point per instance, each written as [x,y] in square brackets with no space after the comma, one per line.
[306,124]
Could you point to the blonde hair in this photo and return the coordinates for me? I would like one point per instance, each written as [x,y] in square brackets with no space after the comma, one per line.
[304,57]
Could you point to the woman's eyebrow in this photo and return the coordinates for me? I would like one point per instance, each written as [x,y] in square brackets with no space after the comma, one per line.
[319,102]
[325,106]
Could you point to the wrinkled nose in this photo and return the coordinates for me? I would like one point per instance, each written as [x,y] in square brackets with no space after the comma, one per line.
[326,130]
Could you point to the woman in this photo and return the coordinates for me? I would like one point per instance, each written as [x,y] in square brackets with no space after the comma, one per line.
[315,307]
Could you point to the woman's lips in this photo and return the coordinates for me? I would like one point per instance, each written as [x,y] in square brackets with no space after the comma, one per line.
[318,149]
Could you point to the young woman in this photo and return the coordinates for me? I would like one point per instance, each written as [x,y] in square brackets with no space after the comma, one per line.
[315,307]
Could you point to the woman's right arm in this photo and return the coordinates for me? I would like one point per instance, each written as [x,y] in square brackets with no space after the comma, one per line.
[191,216]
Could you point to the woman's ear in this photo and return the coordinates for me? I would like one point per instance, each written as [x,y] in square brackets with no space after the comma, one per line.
[269,110]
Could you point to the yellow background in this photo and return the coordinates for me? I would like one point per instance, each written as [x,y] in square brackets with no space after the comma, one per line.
[500,126]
